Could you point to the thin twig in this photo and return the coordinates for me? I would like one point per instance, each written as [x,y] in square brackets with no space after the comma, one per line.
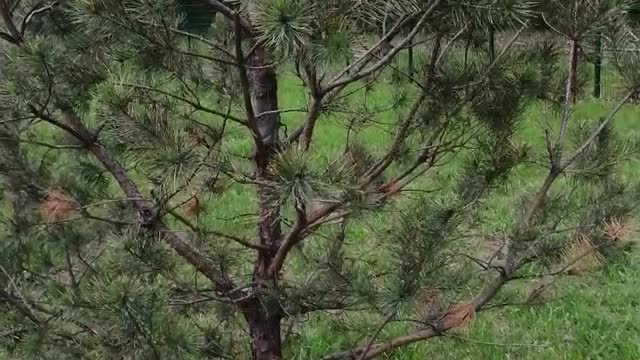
[374,336]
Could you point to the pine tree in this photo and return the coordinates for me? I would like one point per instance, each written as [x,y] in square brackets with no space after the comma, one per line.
[121,129]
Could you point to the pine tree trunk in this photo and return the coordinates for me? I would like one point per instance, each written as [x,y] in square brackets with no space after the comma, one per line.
[264,319]
[266,343]
[265,96]
[264,86]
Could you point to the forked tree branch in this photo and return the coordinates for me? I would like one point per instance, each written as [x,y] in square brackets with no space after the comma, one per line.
[292,237]
[298,233]
[14,36]
[229,13]
[314,111]
[599,129]
[395,29]
[301,229]
[389,56]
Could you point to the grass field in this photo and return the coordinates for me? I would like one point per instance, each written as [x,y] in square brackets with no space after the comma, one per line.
[594,316]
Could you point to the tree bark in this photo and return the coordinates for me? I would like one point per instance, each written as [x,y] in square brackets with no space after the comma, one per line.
[264,319]
[264,87]
[265,97]
[264,328]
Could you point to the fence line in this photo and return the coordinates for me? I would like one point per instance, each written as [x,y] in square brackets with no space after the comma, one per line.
[610,78]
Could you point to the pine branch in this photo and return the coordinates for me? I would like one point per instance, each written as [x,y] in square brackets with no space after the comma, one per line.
[404,127]
[244,84]
[9,38]
[569,98]
[14,35]
[37,9]
[389,56]
[238,240]
[563,270]
[438,329]
[195,104]
[145,210]
[401,134]
[374,336]
[280,111]
[206,57]
[599,129]
[382,164]
[505,276]
[230,14]
[49,146]
[313,113]
[481,299]
[292,237]
[21,307]
[494,343]
[385,38]
[194,37]
[309,122]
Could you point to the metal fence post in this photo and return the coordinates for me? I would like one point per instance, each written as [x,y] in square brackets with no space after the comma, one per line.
[597,67]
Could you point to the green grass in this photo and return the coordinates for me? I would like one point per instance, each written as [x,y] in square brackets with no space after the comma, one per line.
[592,317]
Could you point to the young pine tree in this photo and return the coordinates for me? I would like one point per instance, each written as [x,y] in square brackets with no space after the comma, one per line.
[177,190]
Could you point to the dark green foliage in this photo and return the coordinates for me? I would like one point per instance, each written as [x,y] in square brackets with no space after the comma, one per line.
[197,17]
